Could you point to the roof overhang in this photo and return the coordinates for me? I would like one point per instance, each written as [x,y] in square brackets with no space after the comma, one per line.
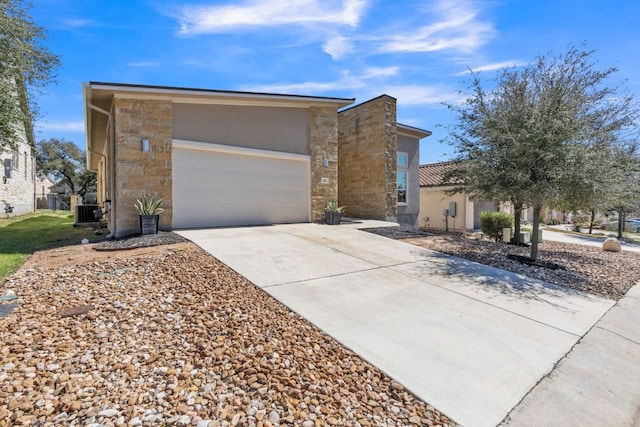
[412,132]
[99,96]
[209,96]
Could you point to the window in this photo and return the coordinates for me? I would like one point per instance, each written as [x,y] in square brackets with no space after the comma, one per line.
[16,160]
[403,170]
[25,164]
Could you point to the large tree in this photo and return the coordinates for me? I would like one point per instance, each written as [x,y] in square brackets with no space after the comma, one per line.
[66,163]
[26,65]
[520,139]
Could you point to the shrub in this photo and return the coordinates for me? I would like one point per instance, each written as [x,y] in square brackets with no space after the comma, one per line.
[492,223]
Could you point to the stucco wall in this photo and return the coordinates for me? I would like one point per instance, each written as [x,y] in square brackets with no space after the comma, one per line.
[19,190]
[137,172]
[408,214]
[433,200]
[266,128]
[367,150]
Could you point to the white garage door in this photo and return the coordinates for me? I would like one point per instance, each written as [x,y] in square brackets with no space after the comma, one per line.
[217,185]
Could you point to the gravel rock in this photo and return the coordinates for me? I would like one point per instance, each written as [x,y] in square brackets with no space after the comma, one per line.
[138,241]
[191,343]
[586,268]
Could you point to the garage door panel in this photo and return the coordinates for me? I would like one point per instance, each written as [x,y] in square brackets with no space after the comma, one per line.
[223,189]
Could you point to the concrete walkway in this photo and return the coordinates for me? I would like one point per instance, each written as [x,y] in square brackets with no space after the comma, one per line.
[585,239]
[598,383]
[469,339]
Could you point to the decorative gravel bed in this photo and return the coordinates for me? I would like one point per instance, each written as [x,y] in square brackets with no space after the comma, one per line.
[138,241]
[400,232]
[585,268]
[177,338]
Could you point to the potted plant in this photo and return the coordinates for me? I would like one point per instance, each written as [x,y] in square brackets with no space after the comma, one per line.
[333,213]
[148,207]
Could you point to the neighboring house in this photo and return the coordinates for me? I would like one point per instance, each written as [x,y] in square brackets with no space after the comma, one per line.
[18,172]
[44,191]
[225,158]
[463,213]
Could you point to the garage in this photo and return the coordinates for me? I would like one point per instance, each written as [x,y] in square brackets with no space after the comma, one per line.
[220,185]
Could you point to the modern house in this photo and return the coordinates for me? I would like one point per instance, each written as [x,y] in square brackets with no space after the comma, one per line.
[440,210]
[227,158]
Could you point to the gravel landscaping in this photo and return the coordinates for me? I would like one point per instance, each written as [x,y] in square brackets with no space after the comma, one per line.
[174,337]
[585,268]
[137,241]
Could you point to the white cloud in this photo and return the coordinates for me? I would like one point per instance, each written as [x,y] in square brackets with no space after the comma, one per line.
[422,94]
[494,66]
[307,88]
[456,26]
[372,72]
[338,47]
[346,83]
[77,22]
[61,126]
[261,13]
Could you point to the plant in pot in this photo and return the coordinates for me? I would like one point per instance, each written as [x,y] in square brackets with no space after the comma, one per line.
[148,207]
[333,213]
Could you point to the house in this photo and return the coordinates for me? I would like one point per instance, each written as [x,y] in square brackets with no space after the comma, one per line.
[379,162]
[442,211]
[44,191]
[227,158]
[17,171]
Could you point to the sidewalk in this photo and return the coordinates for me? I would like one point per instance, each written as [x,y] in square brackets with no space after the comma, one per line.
[585,239]
[598,382]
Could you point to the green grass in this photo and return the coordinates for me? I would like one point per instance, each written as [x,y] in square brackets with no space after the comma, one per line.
[20,236]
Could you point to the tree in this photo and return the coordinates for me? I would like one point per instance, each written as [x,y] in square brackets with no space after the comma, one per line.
[25,65]
[520,140]
[66,163]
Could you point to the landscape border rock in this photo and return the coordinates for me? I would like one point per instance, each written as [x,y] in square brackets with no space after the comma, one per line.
[139,241]
[178,338]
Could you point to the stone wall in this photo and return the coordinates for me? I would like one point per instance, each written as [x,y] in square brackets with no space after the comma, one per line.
[19,189]
[323,142]
[138,172]
[367,159]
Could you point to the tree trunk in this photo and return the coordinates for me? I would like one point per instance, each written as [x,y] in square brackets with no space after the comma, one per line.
[517,212]
[537,209]
[620,223]
[593,217]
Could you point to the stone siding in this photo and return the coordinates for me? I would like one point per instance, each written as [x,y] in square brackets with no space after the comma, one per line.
[19,189]
[137,172]
[367,159]
[323,141]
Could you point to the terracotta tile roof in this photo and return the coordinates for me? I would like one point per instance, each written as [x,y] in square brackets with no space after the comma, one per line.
[431,175]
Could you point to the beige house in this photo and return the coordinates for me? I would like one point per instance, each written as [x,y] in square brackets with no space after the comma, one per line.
[441,211]
[18,171]
[225,158]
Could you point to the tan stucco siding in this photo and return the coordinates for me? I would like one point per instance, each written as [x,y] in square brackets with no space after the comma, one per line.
[433,200]
[266,128]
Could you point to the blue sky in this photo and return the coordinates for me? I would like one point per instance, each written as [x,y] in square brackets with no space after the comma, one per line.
[416,51]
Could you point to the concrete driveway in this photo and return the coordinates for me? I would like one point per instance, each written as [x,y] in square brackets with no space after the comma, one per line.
[471,340]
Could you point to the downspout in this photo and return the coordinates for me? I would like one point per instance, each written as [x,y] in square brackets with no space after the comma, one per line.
[112,178]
